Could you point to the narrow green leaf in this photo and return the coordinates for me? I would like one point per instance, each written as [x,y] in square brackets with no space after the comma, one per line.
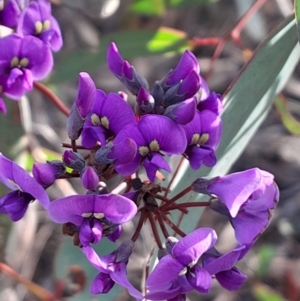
[148,7]
[297,15]
[263,293]
[290,123]
[247,103]
[130,43]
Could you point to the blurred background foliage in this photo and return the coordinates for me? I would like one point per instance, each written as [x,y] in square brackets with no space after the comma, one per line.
[152,34]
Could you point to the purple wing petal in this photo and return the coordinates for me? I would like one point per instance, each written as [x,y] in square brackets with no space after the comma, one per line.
[154,164]
[234,190]
[123,152]
[224,262]
[10,171]
[120,277]
[164,273]
[102,284]
[93,258]
[231,280]
[199,279]
[10,14]
[191,247]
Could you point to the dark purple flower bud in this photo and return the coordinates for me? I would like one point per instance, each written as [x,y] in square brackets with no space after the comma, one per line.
[25,189]
[9,13]
[83,104]
[190,85]
[170,243]
[23,60]
[213,103]
[124,71]
[158,94]
[203,135]
[46,173]
[37,20]
[74,160]
[186,65]
[114,268]
[89,178]
[109,116]
[249,196]
[101,155]
[182,112]
[145,100]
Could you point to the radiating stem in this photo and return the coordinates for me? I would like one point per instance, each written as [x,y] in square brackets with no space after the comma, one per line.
[176,197]
[187,205]
[166,201]
[173,226]
[162,224]
[68,145]
[154,230]
[139,226]
[53,97]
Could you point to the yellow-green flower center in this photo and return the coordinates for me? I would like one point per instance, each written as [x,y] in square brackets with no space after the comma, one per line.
[22,63]
[198,139]
[97,215]
[154,146]
[144,150]
[40,27]
[105,122]
[95,120]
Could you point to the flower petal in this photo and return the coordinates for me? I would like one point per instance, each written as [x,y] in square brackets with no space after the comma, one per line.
[101,284]
[191,247]
[93,258]
[158,127]
[199,279]
[231,280]
[120,277]
[167,269]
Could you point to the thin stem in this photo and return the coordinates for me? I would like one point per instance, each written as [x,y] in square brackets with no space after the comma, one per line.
[211,41]
[142,219]
[37,290]
[74,146]
[68,145]
[173,226]
[160,197]
[53,97]
[173,176]
[176,197]
[162,224]
[187,205]
[154,230]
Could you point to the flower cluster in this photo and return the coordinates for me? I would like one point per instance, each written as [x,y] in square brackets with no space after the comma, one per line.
[178,116]
[25,54]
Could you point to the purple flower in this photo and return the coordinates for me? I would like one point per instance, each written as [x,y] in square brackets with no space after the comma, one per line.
[46,173]
[110,114]
[124,71]
[245,197]
[222,267]
[24,189]
[9,13]
[183,261]
[89,178]
[23,60]
[203,135]
[112,269]
[152,136]
[92,213]
[37,20]
[74,160]
[83,104]
[145,100]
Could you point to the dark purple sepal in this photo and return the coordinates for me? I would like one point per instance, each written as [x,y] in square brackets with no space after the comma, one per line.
[145,100]
[182,112]
[73,160]
[102,284]
[199,279]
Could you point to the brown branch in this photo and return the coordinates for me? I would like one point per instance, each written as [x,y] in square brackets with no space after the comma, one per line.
[154,229]
[162,224]
[173,226]
[142,219]
[176,197]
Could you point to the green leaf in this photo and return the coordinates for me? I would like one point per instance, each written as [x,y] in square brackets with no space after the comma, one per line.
[131,44]
[247,103]
[148,7]
[263,293]
[265,254]
[290,123]
[297,15]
